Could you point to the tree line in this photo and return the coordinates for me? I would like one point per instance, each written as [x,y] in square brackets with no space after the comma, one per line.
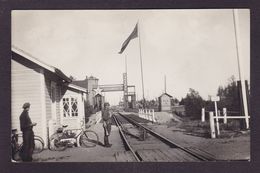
[229,98]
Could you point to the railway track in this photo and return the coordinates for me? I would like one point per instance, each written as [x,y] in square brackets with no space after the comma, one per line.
[143,144]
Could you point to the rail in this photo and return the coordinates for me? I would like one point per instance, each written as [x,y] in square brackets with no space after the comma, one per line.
[167,141]
[128,146]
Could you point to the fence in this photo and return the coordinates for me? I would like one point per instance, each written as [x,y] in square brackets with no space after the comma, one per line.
[147,114]
[218,116]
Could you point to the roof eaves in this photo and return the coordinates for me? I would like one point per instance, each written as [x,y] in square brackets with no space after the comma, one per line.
[77,88]
[31,58]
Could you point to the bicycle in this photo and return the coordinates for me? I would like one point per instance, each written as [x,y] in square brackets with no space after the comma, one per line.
[17,144]
[62,138]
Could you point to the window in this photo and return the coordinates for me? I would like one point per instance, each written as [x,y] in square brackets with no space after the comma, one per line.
[70,107]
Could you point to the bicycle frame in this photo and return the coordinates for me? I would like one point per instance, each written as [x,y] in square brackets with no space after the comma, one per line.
[76,137]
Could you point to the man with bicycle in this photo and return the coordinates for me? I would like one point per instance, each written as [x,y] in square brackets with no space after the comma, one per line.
[106,117]
[26,126]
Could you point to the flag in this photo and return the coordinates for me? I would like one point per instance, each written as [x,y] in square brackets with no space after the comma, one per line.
[133,35]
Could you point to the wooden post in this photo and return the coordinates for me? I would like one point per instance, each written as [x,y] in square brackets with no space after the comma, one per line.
[153,116]
[150,115]
[225,115]
[219,113]
[203,115]
[216,114]
[212,125]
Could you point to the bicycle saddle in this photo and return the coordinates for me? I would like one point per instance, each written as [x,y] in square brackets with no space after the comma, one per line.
[64,126]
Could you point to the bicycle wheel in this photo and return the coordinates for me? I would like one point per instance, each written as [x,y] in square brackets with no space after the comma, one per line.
[89,138]
[56,144]
[38,145]
[40,138]
[15,152]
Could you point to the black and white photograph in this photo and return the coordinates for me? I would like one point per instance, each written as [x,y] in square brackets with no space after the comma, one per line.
[155,85]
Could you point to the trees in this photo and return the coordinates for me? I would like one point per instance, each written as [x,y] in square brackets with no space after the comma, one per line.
[229,98]
[174,101]
[229,95]
[193,103]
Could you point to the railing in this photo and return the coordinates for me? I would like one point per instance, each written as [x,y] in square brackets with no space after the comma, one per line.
[147,114]
[213,117]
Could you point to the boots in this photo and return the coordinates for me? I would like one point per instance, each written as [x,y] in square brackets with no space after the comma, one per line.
[106,142]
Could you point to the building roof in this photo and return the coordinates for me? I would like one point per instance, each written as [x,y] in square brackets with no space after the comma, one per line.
[165,94]
[77,88]
[81,83]
[44,65]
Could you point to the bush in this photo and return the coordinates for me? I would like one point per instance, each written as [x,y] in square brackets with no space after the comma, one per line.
[193,103]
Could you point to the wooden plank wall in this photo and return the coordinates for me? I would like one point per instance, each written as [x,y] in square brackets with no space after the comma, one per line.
[25,87]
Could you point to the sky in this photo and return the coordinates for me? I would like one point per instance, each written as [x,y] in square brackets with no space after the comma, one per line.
[192,48]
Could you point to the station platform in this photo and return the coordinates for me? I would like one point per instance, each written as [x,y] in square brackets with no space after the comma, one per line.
[99,153]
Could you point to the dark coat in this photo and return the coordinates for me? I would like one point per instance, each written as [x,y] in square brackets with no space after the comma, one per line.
[28,137]
[106,115]
[25,121]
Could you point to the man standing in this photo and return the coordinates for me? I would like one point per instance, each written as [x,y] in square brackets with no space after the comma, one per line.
[106,117]
[28,135]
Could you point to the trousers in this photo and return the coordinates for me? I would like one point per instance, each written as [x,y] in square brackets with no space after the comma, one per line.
[107,131]
[28,146]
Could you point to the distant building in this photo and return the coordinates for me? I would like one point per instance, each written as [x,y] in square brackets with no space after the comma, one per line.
[165,102]
[91,83]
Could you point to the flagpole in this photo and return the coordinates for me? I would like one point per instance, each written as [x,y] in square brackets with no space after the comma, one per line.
[126,64]
[240,69]
[165,83]
[141,62]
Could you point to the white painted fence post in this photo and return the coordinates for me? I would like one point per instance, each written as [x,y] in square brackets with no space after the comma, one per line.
[219,113]
[153,116]
[203,115]
[225,115]
[212,125]
[150,117]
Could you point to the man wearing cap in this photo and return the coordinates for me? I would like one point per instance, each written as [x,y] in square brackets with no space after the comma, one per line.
[106,117]
[26,126]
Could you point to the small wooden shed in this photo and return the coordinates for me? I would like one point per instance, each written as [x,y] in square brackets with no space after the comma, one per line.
[165,102]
